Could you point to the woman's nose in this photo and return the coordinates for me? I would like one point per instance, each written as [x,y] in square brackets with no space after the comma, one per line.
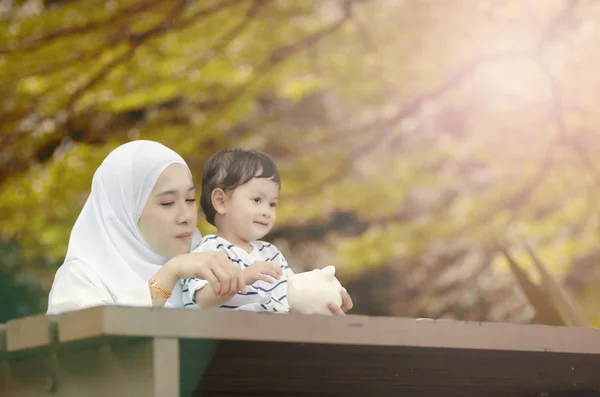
[185,214]
[182,219]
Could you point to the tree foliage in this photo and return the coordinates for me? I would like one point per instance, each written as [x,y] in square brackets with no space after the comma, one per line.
[414,137]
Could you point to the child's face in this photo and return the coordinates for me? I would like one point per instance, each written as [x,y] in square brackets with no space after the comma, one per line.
[251,209]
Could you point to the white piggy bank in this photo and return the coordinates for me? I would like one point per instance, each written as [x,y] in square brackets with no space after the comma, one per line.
[310,292]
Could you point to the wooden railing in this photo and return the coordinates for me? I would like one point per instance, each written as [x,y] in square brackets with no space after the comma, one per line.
[119,351]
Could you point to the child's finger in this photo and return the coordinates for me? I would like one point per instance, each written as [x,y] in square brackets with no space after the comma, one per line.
[273,266]
[266,278]
[272,273]
[277,268]
[335,309]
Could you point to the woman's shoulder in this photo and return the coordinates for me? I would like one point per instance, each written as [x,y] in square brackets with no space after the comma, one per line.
[76,269]
[75,287]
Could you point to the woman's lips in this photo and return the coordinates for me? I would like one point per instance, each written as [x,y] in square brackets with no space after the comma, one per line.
[184,236]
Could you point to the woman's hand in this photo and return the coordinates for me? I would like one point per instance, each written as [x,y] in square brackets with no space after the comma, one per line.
[223,276]
[346,304]
[265,271]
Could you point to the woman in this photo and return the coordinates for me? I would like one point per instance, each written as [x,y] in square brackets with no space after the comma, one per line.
[131,242]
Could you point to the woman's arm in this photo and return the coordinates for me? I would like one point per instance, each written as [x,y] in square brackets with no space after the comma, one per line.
[222,275]
[76,287]
[165,278]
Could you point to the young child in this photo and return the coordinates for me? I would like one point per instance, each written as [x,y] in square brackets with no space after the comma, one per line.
[240,189]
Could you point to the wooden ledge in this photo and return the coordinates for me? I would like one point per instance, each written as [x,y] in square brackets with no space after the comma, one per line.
[348,330]
[30,333]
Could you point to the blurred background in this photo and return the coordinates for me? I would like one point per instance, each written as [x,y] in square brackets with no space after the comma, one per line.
[443,155]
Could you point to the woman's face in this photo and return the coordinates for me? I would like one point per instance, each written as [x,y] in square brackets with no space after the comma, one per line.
[169,218]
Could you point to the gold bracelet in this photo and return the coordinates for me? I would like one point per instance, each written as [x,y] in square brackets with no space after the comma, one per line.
[155,287]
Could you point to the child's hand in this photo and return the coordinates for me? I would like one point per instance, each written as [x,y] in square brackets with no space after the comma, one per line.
[265,271]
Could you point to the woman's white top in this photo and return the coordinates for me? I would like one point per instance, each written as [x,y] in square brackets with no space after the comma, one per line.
[79,288]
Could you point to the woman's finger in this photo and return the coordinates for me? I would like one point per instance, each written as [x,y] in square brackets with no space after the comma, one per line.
[233,281]
[214,283]
[236,280]
[335,309]
[223,277]
[227,265]
[241,284]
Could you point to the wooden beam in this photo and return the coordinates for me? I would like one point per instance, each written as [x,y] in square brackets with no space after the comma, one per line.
[30,333]
[348,330]
[141,351]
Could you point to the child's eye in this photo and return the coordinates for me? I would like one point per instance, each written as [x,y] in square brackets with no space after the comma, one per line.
[256,200]
[170,203]
[273,205]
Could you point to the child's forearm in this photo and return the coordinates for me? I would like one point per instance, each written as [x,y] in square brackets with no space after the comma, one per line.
[206,298]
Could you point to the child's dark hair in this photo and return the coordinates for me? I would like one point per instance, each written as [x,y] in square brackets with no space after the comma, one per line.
[231,168]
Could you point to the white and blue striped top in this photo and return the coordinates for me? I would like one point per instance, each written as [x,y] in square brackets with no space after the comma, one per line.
[260,296]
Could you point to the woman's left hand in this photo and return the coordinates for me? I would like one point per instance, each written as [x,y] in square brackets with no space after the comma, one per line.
[346,304]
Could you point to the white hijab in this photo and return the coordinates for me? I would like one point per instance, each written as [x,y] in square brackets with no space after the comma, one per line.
[106,236]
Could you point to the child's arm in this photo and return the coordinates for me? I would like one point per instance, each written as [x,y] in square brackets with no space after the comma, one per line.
[277,257]
[265,271]
[266,280]
[194,292]
[287,270]
[278,301]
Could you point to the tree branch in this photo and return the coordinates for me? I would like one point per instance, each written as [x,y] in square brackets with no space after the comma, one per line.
[185,22]
[34,43]
[556,23]
[135,40]
[384,127]
[99,76]
[225,40]
[281,54]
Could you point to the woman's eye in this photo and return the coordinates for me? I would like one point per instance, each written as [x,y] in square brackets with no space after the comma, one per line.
[191,200]
[256,200]
[170,203]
